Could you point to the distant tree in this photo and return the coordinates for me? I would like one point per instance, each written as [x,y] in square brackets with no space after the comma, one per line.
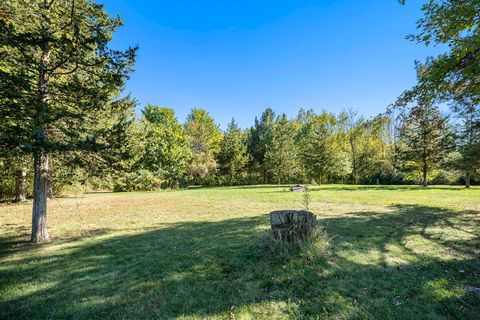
[281,157]
[58,79]
[204,137]
[167,151]
[352,126]
[468,135]
[233,157]
[318,146]
[259,138]
[424,137]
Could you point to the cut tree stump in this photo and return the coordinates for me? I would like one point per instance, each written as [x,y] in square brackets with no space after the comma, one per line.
[293,226]
[298,188]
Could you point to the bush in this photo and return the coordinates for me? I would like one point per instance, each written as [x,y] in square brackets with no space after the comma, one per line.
[142,180]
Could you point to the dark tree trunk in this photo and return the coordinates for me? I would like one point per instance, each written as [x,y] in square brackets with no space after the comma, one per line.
[39,214]
[20,186]
[424,172]
[467,179]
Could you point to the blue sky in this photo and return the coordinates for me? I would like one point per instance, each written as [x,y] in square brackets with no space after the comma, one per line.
[236,58]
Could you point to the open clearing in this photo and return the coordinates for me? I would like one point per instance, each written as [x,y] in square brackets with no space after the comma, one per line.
[394,252]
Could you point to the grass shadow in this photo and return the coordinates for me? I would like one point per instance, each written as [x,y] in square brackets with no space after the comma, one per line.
[379,267]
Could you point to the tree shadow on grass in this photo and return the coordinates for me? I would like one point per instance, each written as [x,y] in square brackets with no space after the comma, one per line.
[379,266]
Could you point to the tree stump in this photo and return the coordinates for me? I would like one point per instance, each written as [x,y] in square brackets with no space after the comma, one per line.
[298,188]
[293,226]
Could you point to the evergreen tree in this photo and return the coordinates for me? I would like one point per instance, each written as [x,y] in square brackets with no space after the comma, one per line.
[232,158]
[468,135]
[424,137]
[281,159]
[58,78]
[260,137]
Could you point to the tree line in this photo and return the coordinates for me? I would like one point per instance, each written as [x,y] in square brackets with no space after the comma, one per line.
[64,121]
[418,145]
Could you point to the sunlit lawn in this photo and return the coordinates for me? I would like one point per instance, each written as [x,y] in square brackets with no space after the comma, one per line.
[394,253]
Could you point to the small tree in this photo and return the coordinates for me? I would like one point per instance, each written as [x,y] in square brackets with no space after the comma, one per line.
[424,137]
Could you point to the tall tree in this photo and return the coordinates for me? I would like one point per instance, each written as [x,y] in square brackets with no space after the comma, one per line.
[468,135]
[424,137]
[233,158]
[281,157]
[204,137]
[167,151]
[318,147]
[352,126]
[260,137]
[58,78]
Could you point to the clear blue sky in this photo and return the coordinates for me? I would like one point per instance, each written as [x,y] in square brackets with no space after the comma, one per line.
[235,58]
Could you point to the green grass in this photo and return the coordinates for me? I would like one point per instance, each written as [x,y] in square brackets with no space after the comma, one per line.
[394,253]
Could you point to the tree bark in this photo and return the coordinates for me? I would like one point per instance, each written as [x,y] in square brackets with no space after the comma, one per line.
[467,179]
[425,172]
[39,212]
[49,188]
[20,187]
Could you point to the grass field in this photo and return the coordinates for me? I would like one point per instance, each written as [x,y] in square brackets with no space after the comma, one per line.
[393,253]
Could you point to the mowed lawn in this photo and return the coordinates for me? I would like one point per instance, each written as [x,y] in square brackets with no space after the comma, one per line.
[394,252]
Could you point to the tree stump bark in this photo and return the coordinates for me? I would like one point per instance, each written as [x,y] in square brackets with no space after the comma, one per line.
[293,226]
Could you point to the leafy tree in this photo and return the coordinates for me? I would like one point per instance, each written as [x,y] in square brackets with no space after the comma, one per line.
[167,150]
[204,137]
[318,146]
[281,157]
[454,24]
[351,127]
[259,138]
[424,137]
[233,158]
[375,153]
[58,79]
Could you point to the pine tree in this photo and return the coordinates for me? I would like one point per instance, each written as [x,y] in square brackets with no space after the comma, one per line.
[259,138]
[424,137]
[232,158]
[468,135]
[281,157]
[58,79]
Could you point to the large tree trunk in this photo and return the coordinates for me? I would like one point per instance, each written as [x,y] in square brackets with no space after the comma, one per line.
[20,186]
[467,179]
[39,214]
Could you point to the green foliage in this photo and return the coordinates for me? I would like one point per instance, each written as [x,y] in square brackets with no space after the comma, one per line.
[260,137]
[166,151]
[424,138]
[281,157]
[232,157]
[204,137]
[143,180]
